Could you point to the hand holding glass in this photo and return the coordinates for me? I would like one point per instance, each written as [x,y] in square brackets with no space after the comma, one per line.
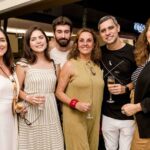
[110,80]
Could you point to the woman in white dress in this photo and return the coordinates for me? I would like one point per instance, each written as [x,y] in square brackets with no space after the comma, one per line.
[8,124]
[40,128]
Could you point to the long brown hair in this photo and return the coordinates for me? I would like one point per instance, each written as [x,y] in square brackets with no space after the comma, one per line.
[28,52]
[96,52]
[142,47]
[8,56]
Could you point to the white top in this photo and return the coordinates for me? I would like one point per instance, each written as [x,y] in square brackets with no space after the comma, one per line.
[59,57]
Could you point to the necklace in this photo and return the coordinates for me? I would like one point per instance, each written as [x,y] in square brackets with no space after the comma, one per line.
[91,68]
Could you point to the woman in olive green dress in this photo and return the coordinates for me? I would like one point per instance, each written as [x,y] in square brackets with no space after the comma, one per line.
[80,88]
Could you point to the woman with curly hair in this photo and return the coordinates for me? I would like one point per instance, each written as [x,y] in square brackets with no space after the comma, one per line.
[80,88]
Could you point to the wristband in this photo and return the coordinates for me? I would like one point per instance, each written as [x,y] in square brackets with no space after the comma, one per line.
[73,103]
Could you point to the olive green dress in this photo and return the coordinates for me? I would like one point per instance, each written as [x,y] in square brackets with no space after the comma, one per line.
[87,86]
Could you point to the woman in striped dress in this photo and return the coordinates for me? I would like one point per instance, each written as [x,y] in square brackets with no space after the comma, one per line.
[39,127]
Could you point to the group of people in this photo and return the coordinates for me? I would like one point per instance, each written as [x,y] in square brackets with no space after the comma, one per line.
[76,72]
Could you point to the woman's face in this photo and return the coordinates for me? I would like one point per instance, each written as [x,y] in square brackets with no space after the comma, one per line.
[38,41]
[85,43]
[148,35]
[3,44]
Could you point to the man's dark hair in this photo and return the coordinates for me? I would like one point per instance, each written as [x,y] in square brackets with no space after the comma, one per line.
[61,20]
[105,18]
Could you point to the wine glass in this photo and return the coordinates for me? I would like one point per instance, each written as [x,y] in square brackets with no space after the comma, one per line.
[110,80]
[89,115]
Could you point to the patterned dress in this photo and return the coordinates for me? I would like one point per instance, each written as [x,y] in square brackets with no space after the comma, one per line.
[45,133]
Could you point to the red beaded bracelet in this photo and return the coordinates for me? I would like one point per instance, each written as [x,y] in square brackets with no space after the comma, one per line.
[73,103]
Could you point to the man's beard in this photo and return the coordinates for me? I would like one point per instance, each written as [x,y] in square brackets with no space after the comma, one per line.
[63,42]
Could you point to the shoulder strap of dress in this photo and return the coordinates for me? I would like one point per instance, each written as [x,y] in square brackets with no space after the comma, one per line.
[23,63]
[54,67]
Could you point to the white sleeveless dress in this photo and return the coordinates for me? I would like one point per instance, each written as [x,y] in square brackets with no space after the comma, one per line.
[8,126]
[46,132]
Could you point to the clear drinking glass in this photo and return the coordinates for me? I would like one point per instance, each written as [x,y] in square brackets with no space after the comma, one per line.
[42,105]
[89,115]
[110,80]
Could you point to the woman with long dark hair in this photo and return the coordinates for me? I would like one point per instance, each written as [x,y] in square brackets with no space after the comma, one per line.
[40,127]
[8,84]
